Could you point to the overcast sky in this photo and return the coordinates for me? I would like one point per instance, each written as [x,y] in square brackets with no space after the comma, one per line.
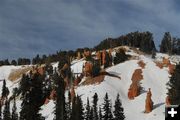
[29,27]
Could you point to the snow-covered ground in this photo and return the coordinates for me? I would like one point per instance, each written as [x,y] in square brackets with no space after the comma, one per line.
[153,77]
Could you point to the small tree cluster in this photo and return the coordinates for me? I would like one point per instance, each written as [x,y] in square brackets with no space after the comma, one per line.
[32,97]
[174,87]
[142,40]
[169,44]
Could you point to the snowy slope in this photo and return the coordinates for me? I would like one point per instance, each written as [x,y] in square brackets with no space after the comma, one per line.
[4,74]
[153,77]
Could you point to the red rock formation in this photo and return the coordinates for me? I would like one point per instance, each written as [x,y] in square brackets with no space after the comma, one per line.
[110,56]
[41,70]
[110,52]
[104,57]
[73,94]
[66,82]
[98,55]
[88,69]
[52,95]
[141,64]
[77,81]
[130,94]
[95,80]
[134,90]
[168,101]
[171,68]
[137,75]
[46,101]
[149,102]
[160,65]
[166,61]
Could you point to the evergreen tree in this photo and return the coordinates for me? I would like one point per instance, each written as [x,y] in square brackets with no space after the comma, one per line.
[73,113]
[68,109]
[120,56]
[95,110]
[153,54]
[32,99]
[69,103]
[60,101]
[166,44]
[13,62]
[91,114]
[37,60]
[111,114]
[24,85]
[14,115]
[79,109]
[107,108]
[49,69]
[6,112]
[118,110]
[88,110]
[100,114]
[6,62]
[5,90]
[1,62]
[66,117]
[174,87]
[25,113]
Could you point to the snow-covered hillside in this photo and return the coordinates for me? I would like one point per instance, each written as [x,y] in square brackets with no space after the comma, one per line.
[153,77]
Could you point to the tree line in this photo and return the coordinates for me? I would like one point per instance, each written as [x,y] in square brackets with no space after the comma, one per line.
[142,40]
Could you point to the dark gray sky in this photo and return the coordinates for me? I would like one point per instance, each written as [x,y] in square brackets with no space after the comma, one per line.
[29,27]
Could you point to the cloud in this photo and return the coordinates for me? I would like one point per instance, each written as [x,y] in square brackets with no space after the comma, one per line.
[45,26]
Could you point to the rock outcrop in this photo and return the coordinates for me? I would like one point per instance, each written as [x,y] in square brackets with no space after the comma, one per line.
[137,75]
[134,90]
[149,102]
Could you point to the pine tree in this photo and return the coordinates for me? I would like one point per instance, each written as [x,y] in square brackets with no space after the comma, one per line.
[174,87]
[6,62]
[69,103]
[14,115]
[13,62]
[88,110]
[6,112]
[32,98]
[5,90]
[67,115]
[24,85]
[95,111]
[91,113]
[118,110]
[107,108]
[60,101]
[79,109]
[100,114]
[110,113]
[153,54]
[73,113]
[166,44]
